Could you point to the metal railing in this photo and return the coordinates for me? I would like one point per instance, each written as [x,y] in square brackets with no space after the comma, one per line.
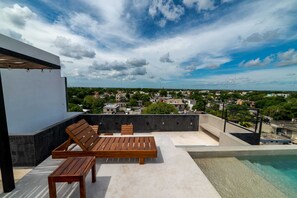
[237,116]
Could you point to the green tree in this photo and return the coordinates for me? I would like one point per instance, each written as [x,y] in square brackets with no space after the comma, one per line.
[75,100]
[173,94]
[97,106]
[74,107]
[163,93]
[160,108]
[128,96]
[88,102]
[147,103]
[132,103]
[239,114]
[269,101]
[110,99]
[145,98]
[179,95]
[199,106]
[293,95]
[280,112]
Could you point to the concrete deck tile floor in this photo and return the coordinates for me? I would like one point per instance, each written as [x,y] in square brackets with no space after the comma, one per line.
[18,173]
[191,139]
[172,174]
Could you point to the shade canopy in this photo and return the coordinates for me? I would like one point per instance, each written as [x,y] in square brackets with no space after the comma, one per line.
[13,60]
[17,55]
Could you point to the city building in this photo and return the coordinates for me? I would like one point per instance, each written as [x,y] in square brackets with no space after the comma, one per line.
[111,108]
[190,103]
[277,94]
[178,103]
[120,97]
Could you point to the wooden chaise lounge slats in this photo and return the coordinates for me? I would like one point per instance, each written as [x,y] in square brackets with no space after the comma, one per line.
[95,128]
[127,129]
[91,144]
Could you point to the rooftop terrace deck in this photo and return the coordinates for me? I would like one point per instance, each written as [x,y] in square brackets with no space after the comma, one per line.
[172,174]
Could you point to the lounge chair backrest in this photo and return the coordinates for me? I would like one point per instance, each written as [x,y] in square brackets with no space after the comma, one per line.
[95,128]
[127,129]
[82,134]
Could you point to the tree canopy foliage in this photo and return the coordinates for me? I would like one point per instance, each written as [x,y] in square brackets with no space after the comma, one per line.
[277,107]
[160,108]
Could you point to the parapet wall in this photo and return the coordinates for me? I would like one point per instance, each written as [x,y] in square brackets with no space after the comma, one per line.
[30,149]
[233,135]
[144,123]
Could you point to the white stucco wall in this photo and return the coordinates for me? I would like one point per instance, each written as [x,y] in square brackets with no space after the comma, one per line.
[226,139]
[33,99]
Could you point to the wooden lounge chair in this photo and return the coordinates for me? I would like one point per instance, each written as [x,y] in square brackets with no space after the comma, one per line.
[127,129]
[91,144]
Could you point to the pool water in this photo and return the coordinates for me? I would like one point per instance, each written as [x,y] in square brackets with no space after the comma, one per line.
[252,176]
[281,171]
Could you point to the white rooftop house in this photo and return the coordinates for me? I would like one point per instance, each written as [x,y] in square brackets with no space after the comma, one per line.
[178,103]
[33,98]
[111,108]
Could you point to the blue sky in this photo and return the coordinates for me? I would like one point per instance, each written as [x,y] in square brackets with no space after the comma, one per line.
[190,44]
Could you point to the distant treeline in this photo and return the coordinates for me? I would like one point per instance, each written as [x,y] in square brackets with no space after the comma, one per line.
[277,107]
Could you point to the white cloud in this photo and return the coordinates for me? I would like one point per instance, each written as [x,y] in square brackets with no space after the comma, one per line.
[18,37]
[264,79]
[17,15]
[162,22]
[200,4]
[265,36]
[208,61]
[73,50]
[119,65]
[204,5]
[216,39]
[287,58]
[139,71]
[119,69]
[167,9]
[136,62]
[257,62]
[106,29]
[109,25]
[166,58]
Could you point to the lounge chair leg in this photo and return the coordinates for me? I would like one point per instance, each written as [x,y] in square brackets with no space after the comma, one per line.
[94,173]
[82,187]
[52,188]
[141,160]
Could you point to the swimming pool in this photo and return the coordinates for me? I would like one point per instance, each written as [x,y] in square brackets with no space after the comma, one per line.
[252,176]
